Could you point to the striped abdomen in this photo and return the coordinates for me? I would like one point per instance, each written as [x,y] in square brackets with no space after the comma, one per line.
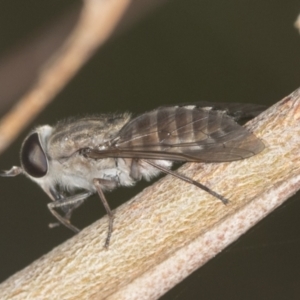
[187,133]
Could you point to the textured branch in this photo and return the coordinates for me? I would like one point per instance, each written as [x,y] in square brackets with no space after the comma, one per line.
[98,19]
[172,228]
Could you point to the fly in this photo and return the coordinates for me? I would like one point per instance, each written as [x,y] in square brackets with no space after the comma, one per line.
[80,157]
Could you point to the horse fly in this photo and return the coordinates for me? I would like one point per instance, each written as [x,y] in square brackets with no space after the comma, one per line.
[79,157]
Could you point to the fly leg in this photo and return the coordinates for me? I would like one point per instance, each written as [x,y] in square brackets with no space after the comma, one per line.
[74,202]
[97,182]
[67,209]
[189,180]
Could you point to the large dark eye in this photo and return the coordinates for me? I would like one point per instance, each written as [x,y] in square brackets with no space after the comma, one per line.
[33,158]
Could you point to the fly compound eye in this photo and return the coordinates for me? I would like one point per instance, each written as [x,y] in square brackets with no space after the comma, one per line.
[33,157]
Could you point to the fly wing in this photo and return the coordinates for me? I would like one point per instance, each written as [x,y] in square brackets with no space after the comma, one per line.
[182,133]
[240,112]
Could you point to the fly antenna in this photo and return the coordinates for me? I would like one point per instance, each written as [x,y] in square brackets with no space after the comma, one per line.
[14,171]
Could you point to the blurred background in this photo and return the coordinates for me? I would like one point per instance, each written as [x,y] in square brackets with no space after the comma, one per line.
[170,52]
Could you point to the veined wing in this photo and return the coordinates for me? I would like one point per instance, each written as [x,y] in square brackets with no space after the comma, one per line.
[182,133]
[240,112]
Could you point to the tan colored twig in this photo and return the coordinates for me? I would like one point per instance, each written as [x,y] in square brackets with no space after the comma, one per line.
[172,228]
[97,21]
[297,23]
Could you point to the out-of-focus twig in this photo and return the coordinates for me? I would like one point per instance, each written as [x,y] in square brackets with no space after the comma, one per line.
[297,23]
[172,228]
[97,21]
[20,64]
